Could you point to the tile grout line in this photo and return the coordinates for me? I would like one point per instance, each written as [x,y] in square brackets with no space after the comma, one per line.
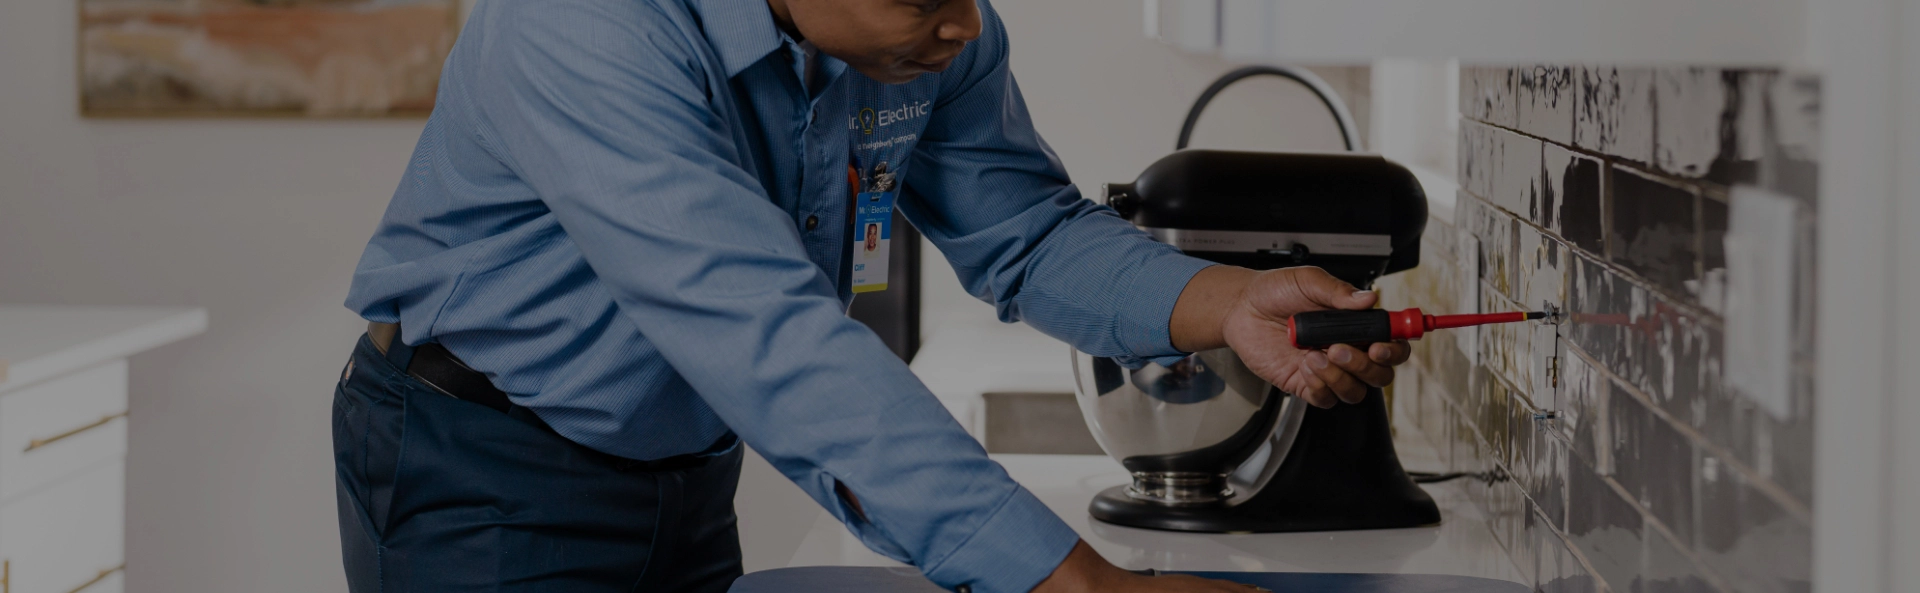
[1798,510]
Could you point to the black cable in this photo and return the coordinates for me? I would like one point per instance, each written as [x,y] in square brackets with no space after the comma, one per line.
[1313,83]
[1433,478]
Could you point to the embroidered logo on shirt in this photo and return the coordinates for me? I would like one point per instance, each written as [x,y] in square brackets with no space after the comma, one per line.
[867,119]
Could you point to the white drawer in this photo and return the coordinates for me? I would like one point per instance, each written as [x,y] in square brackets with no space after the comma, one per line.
[54,428]
[67,535]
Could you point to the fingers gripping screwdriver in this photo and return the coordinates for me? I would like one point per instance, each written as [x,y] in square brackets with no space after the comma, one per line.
[1320,329]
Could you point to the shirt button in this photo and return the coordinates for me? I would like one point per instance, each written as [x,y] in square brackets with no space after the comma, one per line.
[813,222]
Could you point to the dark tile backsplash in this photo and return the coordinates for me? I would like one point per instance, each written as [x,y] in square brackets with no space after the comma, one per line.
[1605,527]
[1653,230]
[1626,465]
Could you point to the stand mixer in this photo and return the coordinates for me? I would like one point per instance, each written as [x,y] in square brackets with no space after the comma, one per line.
[1211,446]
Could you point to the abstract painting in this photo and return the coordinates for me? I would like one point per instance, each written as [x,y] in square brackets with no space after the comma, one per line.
[312,58]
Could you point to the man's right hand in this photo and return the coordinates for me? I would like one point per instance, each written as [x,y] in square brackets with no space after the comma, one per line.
[1084,571]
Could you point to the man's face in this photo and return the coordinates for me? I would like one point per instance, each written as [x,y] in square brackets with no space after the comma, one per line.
[891,41]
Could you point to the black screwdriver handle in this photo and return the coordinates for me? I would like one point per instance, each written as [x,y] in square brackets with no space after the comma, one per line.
[1321,329]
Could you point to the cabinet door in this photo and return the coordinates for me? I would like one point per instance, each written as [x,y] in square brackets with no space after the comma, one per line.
[67,537]
[51,429]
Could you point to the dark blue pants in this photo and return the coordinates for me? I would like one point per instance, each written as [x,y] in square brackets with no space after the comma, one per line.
[442,495]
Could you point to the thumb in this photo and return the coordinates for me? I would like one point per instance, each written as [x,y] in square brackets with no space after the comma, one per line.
[1322,289]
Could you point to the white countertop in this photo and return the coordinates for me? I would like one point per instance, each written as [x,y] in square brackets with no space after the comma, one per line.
[1461,545]
[953,363]
[42,341]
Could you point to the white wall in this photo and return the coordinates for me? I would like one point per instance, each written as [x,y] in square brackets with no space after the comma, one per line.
[1110,102]
[230,482]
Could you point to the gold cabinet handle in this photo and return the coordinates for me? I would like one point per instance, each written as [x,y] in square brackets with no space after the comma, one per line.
[96,579]
[6,576]
[38,443]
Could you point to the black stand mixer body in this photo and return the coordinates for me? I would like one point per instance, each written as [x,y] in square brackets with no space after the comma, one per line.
[1356,216]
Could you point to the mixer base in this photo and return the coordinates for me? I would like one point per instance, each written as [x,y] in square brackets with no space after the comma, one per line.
[1114,506]
[1341,473]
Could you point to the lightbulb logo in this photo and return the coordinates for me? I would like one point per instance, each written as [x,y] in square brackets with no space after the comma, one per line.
[866,120]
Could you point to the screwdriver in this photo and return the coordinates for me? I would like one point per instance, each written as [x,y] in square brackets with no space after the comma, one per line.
[1320,329]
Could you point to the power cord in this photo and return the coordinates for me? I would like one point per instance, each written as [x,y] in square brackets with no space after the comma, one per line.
[1490,477]
[1342,117]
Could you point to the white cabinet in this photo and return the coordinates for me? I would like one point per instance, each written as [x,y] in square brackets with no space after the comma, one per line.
[63,440]
[68,535]
[1722,32]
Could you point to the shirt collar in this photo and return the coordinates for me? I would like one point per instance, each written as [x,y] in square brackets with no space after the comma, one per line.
[741,31]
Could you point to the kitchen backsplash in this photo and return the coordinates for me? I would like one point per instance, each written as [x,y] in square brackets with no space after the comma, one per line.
[1616,452]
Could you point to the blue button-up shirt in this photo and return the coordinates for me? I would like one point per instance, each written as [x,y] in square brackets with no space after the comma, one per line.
[607,214]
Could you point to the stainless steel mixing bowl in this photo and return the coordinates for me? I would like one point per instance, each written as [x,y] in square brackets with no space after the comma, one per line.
[1204,430]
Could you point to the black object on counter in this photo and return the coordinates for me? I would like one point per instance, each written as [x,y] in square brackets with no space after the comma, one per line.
[1356,216]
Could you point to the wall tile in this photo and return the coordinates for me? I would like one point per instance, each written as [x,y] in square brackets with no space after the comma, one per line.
[1545,101]
[1547,486]
[1492,416]
[1669,570]
[1654,462]
[1466,453]
[1517,183]
[1467,254]
[1486,94]
[1583,417]
[1542,270]
[1746,537]
[1603,310]
[1506,349]
[1500,166]
[1652,230]
[1547,207]
[1605,527]
[1509,517]
[1744,140]
[1688,105]
[1613,112]
[1475,158]
[1498,235]
[1560,568]
[1573,190]
[1712,288]
[1794,167]
[1521,427]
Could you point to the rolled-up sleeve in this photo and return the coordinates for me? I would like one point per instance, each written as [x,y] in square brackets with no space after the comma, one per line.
[997,203]
[620,144]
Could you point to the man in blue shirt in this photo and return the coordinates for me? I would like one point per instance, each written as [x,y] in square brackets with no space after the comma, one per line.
[627,232]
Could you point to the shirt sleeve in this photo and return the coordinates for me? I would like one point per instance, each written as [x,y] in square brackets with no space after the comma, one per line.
[995,200]
[608,119]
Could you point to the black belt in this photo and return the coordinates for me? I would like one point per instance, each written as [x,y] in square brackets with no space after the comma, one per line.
[433,365]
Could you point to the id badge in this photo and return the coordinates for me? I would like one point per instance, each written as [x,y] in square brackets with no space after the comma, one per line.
[873,228]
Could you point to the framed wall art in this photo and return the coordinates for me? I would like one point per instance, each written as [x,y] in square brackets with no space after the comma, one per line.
[299,58]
